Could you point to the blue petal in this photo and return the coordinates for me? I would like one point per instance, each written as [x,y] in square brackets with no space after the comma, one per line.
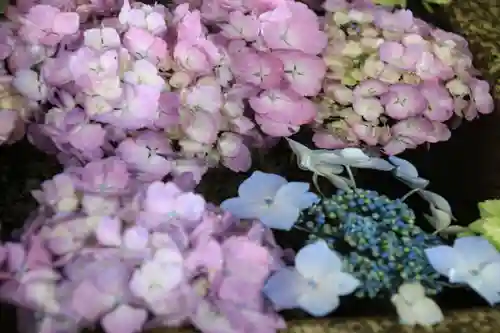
[260,186]
[489,287]
[486,283]
[443,258]
[347,283]
[282,288]
[296,194]
[321,299]
[241,208]
[279,216]
[491,274]
[476,250]
[317,260]
[488,293]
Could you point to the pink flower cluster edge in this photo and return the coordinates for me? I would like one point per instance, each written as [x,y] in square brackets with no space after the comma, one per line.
[131,256]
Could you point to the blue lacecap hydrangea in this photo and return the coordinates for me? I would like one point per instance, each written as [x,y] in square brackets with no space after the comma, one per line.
[381,244]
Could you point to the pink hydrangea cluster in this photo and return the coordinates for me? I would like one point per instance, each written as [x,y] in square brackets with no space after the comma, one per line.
[104,249]
[197,85]
[393,80]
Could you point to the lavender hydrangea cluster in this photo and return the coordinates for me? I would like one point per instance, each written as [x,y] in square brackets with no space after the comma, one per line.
[393,81]
[384,248]
[192,86]
[135,256]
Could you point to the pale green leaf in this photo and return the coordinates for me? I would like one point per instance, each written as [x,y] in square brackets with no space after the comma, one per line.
[477,226]
[391,3]
[488,227]
[489,208]
[438,2]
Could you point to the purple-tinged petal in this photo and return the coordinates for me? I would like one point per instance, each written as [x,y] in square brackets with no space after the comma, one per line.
[124,319]
[282,288]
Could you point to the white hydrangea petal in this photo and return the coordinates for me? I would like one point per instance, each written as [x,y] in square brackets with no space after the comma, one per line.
[316,261]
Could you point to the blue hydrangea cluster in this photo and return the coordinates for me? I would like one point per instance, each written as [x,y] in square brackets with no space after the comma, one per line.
[382,245]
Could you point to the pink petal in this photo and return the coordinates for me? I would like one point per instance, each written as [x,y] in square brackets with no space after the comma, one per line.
[328,141]
[136,238]
[367,133]
[42,16]
[207,254]
[89,302]
[395,147]
[190,206]
[66,23]
[108,231]
[274,128]
[37,254]
[16,256]
[124,319]
[202,127]
[241,162]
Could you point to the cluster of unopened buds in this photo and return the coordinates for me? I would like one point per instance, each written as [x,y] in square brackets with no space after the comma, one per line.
[393,81]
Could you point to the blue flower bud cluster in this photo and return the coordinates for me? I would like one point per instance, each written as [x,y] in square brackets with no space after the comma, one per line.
[383,246]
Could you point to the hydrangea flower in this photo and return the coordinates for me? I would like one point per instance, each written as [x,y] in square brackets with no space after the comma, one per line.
[104,260]
[471,260]
[394,80]
[271,199]
[194,86]
[385,247]
[191,92]
[413,307]
[314,284]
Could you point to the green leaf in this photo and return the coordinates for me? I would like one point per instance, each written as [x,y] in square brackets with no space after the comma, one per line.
[391,3]
[489,228]
[438,2]
[477,226]
[428,7]
[3,6]
[489,208]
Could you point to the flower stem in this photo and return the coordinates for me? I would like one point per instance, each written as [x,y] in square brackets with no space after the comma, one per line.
[407,195]
[315,182]
[351,176]
[303,229]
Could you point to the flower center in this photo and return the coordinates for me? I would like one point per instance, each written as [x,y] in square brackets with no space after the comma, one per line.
[268,201]
[311,283]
